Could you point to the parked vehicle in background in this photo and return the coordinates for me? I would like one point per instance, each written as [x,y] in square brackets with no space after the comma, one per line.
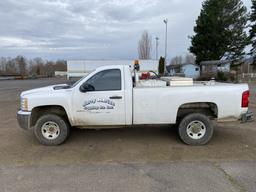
[116,97]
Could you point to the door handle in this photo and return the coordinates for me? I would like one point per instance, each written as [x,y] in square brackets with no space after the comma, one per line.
[116,97]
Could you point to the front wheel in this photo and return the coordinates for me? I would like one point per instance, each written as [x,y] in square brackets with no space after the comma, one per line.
[51,129]
[196,129]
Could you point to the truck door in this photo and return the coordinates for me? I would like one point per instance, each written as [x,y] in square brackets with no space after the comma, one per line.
[102,102]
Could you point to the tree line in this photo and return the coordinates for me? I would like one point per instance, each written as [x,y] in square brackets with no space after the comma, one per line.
[30,67]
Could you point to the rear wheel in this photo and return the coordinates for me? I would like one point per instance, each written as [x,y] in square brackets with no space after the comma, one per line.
[196,129]
[51,129]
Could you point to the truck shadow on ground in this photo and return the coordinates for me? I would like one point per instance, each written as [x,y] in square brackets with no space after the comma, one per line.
[145,135]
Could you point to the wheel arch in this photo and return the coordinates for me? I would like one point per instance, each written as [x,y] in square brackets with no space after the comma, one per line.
[209,109]
[37,112]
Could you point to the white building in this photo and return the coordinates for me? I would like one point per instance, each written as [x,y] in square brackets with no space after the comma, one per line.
[80,68]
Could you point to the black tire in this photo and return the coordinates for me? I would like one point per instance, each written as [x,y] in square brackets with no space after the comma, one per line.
[63,132]
[206,127]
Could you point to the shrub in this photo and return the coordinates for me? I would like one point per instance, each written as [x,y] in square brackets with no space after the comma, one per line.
[221,76]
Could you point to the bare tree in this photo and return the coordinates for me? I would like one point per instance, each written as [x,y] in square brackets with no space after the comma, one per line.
[10,67]
[39,66]
[60,65]
[145,46]
[178,60]
[190,58]
[2,65]
[22,65]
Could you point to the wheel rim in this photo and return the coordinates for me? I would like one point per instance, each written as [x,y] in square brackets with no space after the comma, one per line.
[196,130]
[50,130]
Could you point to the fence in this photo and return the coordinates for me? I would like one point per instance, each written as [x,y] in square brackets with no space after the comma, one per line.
[247,77]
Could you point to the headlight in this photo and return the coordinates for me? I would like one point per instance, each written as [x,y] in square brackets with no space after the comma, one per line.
[24,104]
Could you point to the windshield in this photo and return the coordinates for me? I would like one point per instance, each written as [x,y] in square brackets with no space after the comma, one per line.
[77,82]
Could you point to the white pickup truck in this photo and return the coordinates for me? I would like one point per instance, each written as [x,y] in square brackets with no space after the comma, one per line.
[114,97]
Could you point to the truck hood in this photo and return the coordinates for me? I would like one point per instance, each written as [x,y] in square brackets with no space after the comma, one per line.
[49,89]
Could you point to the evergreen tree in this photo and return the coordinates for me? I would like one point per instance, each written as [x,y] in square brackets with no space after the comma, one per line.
[161,66]
[253,32]
[219,31]
[236,17]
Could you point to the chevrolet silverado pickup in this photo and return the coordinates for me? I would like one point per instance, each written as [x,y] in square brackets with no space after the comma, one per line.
[116,97]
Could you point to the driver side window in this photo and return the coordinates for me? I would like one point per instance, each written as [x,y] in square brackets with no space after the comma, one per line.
[108,80]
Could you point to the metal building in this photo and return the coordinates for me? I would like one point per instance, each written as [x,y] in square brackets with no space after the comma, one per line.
[80,68]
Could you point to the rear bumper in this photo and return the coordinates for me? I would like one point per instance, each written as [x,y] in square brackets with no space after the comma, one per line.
[24,119]
[247,117]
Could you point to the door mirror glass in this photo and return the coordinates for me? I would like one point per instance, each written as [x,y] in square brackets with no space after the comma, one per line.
[86,88]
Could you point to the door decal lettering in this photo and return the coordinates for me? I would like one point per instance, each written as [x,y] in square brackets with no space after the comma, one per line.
[98,104]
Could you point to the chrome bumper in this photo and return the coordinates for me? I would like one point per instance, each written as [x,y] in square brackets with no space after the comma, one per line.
[247,117]
[24,119]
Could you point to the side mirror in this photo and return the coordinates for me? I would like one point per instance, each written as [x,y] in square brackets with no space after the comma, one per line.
[86,88]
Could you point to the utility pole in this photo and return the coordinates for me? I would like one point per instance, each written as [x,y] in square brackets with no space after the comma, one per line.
[157,39]
[166,37]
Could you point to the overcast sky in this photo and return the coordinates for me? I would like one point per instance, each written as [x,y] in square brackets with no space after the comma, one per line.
[94,29]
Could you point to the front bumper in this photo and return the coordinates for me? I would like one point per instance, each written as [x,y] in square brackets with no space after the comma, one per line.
[24,119]
[247,117]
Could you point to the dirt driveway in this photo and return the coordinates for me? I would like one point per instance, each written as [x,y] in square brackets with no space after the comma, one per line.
[233,146]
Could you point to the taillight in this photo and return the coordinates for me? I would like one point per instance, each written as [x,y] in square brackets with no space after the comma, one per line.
[245,99]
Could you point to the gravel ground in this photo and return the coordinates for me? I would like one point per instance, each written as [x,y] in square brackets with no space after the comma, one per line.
[138,159]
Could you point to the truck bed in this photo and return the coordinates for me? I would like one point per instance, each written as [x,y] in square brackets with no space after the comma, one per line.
[168,84]
[159,105]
